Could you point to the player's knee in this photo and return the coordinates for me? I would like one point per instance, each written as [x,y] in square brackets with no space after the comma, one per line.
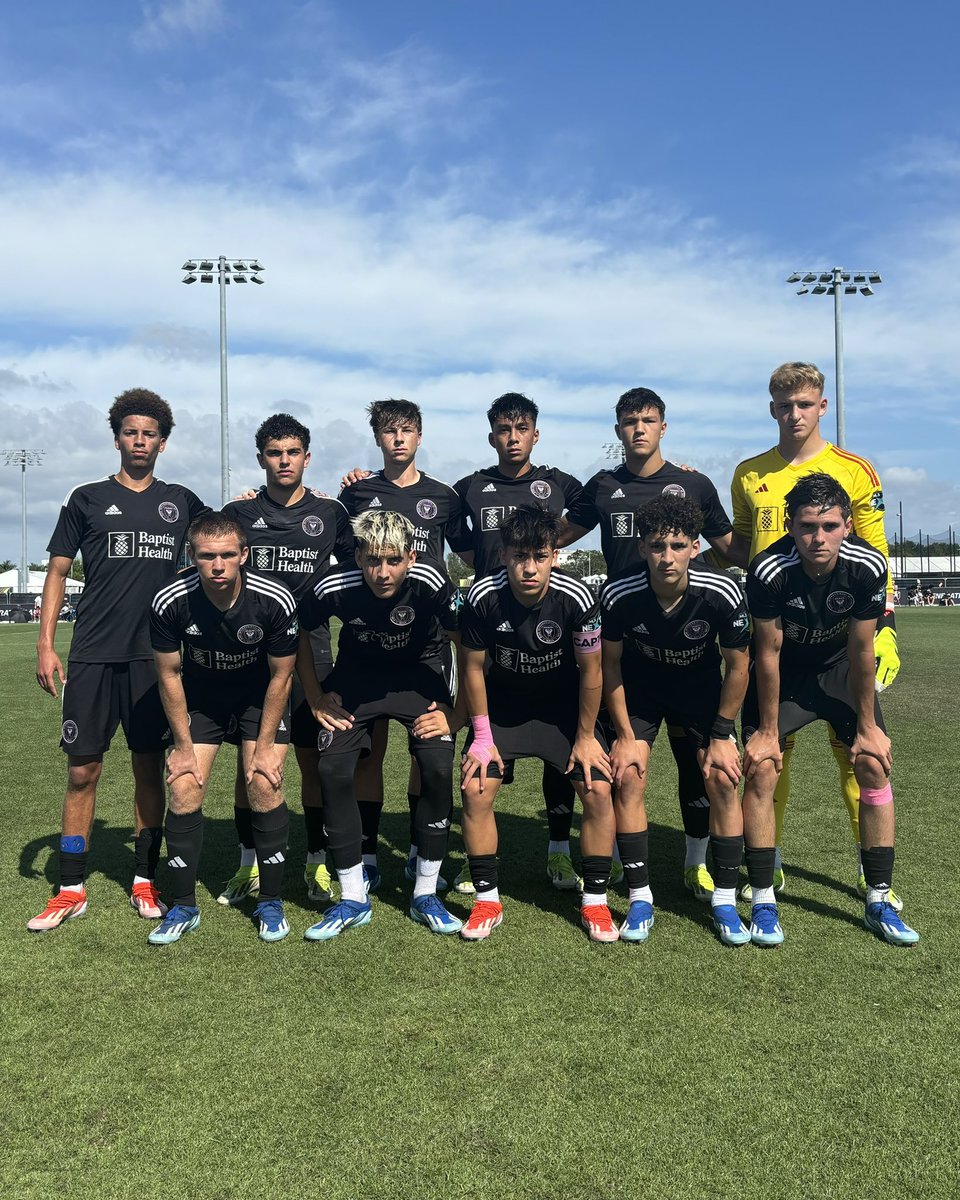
[436,771]
[81,776]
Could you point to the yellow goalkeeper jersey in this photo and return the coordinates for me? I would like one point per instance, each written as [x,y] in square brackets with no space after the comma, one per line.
[760,487]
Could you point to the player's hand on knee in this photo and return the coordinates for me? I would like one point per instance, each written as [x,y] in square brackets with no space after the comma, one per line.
[475,764]
[873,743]
[762,747]
[330,712]
[268,762]
[181,763]
[354,476]
[437,721]
[49,669]
[721,757]
[593,760]
[625,755]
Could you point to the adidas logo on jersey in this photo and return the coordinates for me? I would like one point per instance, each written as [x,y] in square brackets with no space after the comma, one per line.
[489,488]
[259,523]
[641,628]
[506,627]
[192,631]
[375,502]
[796,602]
[762,488]
[618,495]
[112,511]
[357,621]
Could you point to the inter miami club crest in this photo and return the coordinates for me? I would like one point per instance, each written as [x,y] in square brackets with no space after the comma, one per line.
[69,732]
[312,526]
[839,602]
[696,630]
[324,738]
[169,512]
[403,614]
[249,634]
[541,489]
[549,632]
[674,489]
[427,509]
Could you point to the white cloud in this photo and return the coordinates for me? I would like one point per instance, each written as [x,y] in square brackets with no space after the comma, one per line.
[164,21]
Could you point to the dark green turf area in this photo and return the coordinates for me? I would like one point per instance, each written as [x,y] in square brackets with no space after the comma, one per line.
[393,1063]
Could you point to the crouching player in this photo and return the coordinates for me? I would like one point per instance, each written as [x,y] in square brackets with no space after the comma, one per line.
[815,597]
[671,615]
[393,611]
[538,627]
[239,636]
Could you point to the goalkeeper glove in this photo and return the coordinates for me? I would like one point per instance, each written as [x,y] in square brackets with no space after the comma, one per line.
[885,651]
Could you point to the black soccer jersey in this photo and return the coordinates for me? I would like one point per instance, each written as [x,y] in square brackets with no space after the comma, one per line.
[816,615]
[611,499]
[290,543]
[383,634]
[531,649]
[488,496]
[130,543]
[433,507]
[675,650]
[229,647]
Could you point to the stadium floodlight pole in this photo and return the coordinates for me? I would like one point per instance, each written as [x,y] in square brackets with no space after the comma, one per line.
[615,451]
[836,282]
[229,270]
[23,459]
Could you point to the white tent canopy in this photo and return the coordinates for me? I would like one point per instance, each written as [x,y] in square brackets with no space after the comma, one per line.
[10,582]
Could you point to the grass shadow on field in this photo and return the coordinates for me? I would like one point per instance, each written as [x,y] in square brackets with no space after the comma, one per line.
[819,907]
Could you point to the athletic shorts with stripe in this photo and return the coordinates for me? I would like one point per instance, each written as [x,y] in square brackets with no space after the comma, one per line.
[218,714]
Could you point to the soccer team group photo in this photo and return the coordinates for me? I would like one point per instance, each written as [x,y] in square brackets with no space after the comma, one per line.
[290,620]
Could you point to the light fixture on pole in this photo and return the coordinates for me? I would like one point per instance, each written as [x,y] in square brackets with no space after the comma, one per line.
[615,451]
[228,270]
[837,283]
[23,459]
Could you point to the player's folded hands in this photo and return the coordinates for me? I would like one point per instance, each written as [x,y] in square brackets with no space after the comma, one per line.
[330,713]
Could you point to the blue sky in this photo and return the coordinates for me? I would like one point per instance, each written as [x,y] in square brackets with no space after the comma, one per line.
[454,200]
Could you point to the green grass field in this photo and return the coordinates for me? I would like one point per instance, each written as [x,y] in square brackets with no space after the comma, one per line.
[392,1063]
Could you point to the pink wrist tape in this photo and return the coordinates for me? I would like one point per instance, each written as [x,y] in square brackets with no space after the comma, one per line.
[482,742]
[877,796]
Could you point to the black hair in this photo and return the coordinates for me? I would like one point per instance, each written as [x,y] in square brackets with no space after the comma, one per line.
[511,406]
[279,426]
[530,527]
[140,402]
[819,491]
[670,514]
[637,399]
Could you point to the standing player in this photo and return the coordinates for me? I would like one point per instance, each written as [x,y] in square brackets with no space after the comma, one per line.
[815,596]
[672,613]
[539,699]
[129,530]
[611,499]
[292,532]
[239,636]
[393,610]
[759,489]
[433,508]
[489,496]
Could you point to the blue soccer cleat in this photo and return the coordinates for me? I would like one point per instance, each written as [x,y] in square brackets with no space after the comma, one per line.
[730,929]
[410,870]
[181,919]
[345,915]
[371,877]
[428,910]
[765,925]
[273,923]
[639,922]
[883,918]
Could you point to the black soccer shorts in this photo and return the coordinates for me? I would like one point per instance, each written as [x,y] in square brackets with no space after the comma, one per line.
[99,697]
[810,696]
